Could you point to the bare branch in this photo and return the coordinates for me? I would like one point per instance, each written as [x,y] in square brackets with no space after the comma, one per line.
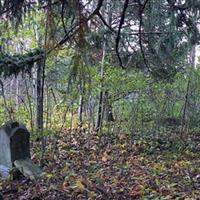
[119,31]
[105,23]
[142,7]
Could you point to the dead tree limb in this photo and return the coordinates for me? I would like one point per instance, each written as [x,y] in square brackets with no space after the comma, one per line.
[119,32]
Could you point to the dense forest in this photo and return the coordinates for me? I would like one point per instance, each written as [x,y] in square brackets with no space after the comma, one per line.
[100,99]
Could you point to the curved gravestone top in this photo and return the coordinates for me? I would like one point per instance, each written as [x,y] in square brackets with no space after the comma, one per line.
[14,143]
[10,127]
[15,150]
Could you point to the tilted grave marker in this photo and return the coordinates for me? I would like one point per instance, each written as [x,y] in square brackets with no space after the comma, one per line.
[15,150]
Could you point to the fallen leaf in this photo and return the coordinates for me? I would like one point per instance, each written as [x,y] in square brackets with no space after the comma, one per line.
[80,185]
[105,157]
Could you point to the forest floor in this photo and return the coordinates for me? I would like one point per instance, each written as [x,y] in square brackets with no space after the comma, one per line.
[80,166]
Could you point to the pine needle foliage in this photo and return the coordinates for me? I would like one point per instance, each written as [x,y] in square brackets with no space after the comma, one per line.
[14,64]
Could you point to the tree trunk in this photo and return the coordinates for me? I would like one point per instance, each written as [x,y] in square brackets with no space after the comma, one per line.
[192,57]
[108,16]
[17,102]
[189,104]
[101,94]
[81,102]
[100,109]
[39,94]
[108,108]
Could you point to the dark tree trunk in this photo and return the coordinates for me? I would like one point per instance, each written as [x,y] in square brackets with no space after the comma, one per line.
[39,100]
[109,114]
[101,94]
[108,108]
[80,110]
[100,111]
[81,102]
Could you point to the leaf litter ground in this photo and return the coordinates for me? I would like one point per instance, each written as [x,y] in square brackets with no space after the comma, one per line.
[82,165]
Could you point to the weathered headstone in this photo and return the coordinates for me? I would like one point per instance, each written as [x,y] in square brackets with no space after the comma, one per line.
[14,148]
[14,143]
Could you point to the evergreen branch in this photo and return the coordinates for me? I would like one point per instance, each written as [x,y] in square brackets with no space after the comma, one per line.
[14,64]
[75,28]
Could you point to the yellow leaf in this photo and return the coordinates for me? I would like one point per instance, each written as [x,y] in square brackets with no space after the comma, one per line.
[80,185]
[105,157]
[92,195]
[48,175]
[157,182]
[123,146]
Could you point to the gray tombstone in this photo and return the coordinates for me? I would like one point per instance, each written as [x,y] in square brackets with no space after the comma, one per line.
[14,143]
[15,150]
